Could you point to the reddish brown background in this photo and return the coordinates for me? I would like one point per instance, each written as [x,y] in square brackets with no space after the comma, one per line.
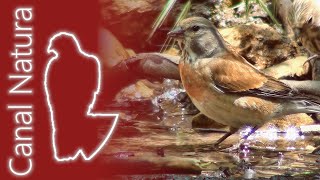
[79,17]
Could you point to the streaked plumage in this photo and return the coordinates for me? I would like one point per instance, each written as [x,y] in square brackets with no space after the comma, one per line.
[225,87]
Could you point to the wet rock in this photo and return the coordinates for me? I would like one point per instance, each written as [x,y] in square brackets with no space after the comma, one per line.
[124,155]
[295,120]
[174,100]
[226,171]
[160,152]
[129,108]
[189,154]
[182,97]
[269,136]
[140,90]
[213,175]
[280,177]
[127,117]
[249,174]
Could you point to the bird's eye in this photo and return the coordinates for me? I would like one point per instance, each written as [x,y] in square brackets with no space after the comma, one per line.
[310,20]
[195,28]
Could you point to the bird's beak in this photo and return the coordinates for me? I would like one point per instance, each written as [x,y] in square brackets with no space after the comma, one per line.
[176,33]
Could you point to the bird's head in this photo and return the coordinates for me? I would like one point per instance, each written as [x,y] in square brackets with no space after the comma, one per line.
[198,38]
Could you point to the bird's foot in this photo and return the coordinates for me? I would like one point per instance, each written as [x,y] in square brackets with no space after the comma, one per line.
[216,146]
[220,147]
[314,57]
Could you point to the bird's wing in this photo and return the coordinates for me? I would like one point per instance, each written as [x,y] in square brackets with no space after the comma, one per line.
[233,74]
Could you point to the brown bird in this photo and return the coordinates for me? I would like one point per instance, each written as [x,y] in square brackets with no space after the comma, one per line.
[225,87]
[304,19]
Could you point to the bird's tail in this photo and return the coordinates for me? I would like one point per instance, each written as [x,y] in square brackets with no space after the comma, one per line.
[306,106]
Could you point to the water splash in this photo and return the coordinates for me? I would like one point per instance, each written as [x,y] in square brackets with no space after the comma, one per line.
[271,133]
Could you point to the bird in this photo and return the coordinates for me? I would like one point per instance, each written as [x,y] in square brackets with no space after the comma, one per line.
[225,87]
[304,19]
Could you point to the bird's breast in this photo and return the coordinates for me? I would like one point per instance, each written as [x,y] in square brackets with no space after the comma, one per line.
[193,81]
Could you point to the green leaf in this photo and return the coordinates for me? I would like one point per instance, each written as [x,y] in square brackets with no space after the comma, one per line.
[270,14]
[247,7]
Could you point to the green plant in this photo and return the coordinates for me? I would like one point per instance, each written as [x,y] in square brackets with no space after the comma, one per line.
[264,6]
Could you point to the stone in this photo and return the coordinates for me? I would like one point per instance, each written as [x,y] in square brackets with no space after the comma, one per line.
[131,20]
[110,49]
[138,91]
[202,121]
[295,120]
[260,44]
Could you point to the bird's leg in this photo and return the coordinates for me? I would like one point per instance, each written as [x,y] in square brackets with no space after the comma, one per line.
[232,131]
[253,130]
[242,140]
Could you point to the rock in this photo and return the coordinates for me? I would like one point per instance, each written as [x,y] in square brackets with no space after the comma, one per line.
[281,8]
[160,152]
[121,7]
[281,124]
[295,120]
[123,155]
[202,8]
[289,68]
[126,116]
[172,51]
[131,52]
[260,44]
[316,151]
[202,121]
[139,90]
[111,51]
[285,141]
[315,65]
[189,154]
[226,16]
[249,174]
[131,20]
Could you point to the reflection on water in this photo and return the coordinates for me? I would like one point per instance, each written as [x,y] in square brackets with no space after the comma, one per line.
[164,143]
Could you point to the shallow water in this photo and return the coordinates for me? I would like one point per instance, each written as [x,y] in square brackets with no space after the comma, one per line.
[157,144]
